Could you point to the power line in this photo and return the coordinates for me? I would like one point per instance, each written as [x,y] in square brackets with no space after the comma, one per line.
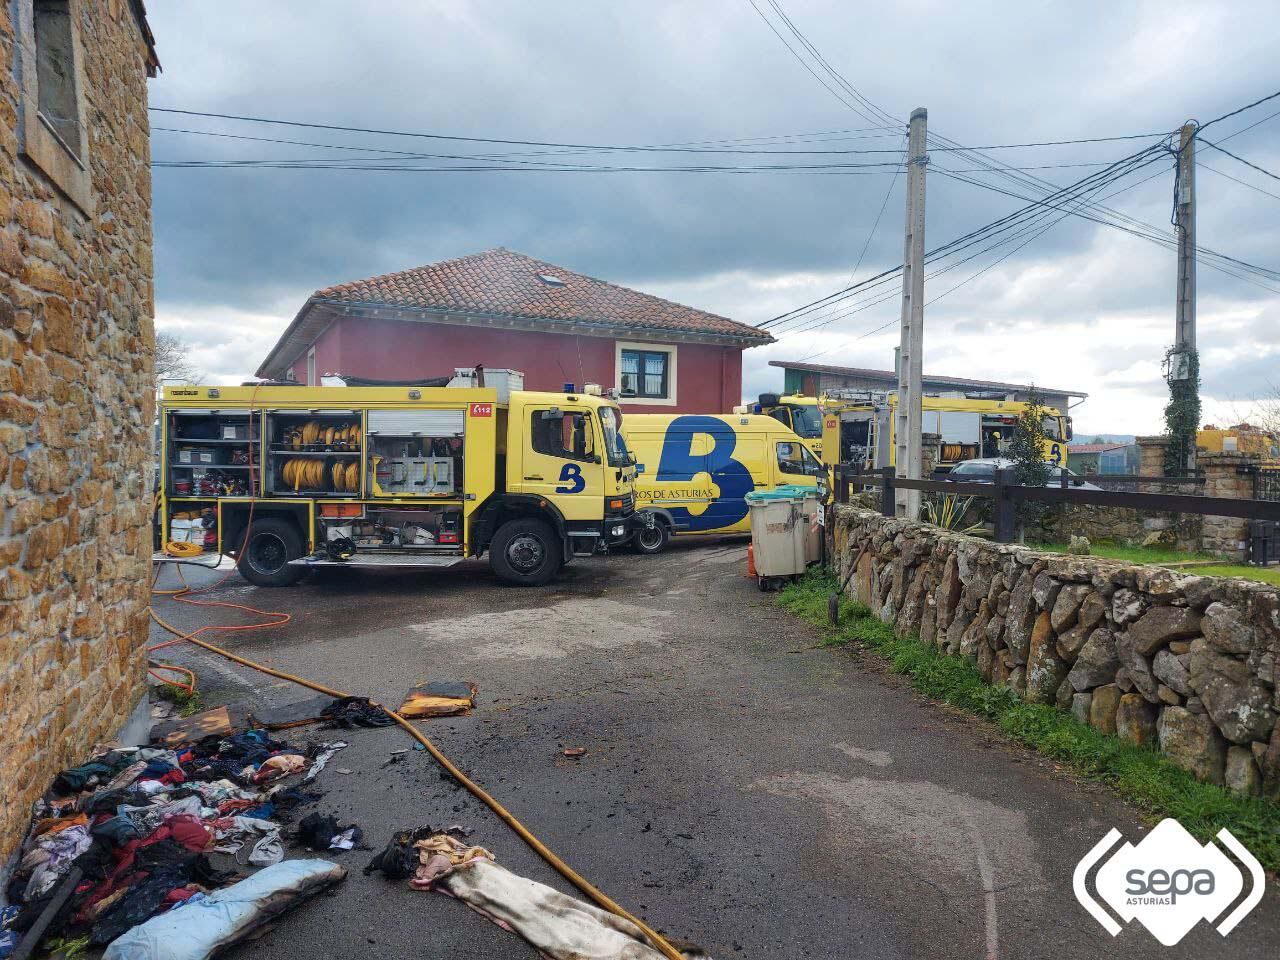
[1114,171]
[708,146]
[1206,255]
[869,118]
[1256,123]
[1105,216]
[843,311]
[1027,226]
[1019,178]
[1239,110]
[876,223]
[1233,156]
[967,280]
[501,141]
[1201,165]
[829,168]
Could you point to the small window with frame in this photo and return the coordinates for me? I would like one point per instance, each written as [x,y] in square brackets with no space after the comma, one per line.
[51,127]
[56,81]
[565,435]
[646,374]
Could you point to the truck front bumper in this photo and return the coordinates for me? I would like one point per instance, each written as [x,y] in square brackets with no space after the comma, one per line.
[621,524]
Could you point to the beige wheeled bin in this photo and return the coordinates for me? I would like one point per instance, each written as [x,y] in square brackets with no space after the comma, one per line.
[778,534]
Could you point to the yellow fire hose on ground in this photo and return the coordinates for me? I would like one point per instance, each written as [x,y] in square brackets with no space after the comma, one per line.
[507,817]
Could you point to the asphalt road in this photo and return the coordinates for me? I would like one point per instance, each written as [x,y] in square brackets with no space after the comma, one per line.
[742,789]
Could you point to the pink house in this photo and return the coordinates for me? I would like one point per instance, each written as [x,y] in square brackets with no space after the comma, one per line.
[503,309]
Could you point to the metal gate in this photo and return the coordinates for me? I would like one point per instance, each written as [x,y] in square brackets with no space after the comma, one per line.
[1264,542]
[1266,483]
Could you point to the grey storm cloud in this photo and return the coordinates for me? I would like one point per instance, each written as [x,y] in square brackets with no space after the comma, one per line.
[648,72]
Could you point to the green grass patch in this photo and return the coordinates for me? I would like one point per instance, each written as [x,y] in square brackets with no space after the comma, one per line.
[1120,551]
[187,703]
[1138,774]
[1264,574]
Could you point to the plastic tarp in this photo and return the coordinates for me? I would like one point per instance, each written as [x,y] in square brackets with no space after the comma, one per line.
[194,931]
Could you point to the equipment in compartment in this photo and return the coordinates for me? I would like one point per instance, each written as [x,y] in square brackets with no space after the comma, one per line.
[397,529]
[199,456]
[314,452]
[502,380]
[194,526]
[415,466]
[219,483]
[212,453]
[319,436]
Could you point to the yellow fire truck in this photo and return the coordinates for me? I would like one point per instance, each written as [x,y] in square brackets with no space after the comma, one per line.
[859,428]
[799,412]
[285,477]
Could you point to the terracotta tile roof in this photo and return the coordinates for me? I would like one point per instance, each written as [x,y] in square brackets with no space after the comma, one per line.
[507,283]
[930,379]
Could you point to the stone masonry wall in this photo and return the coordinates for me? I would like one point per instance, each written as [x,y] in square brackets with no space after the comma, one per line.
[1226,475]
[1185,663]
[1119,525]
[76,407]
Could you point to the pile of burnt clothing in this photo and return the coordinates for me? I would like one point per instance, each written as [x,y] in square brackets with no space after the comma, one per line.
[138,831]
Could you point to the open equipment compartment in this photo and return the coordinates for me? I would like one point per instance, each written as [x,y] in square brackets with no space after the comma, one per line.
[213,453]
[416,454]
[313,453]
[415,529]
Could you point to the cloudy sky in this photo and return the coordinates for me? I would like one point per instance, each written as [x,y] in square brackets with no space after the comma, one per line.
[1083,306]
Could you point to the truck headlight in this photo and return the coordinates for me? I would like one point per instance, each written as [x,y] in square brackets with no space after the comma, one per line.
[619,530]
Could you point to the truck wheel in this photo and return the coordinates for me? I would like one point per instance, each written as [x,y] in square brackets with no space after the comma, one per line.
[525,552]
[272,543]
[651,540]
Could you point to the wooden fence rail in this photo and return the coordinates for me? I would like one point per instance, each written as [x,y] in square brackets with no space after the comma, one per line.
[1007,495]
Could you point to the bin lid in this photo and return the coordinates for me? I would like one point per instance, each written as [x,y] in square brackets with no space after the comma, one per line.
[785,494]
[797,490]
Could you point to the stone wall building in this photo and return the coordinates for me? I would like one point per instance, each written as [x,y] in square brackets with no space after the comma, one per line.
[76,390]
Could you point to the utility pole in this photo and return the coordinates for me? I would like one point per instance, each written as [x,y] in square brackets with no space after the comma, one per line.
[908,416]
[1185,338]
[1185,326]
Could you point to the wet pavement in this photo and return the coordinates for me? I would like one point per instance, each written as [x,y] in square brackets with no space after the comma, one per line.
[742,788]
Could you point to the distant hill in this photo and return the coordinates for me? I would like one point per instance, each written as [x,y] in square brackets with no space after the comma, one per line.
[1084,436]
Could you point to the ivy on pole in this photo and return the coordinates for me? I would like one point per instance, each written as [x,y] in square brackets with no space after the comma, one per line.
[1182,412]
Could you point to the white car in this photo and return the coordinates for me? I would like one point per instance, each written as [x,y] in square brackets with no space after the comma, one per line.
[984,471]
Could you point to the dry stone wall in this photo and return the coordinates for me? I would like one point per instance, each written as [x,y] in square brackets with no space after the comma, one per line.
[75,413]
[1185,664]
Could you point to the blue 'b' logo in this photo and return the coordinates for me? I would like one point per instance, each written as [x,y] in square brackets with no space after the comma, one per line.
[678,462]
[571,479]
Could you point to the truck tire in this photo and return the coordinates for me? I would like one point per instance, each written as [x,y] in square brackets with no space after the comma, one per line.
[272,543]
[651,540]
[525,552]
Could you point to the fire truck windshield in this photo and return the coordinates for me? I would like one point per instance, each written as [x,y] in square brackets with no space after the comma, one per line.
[806,421]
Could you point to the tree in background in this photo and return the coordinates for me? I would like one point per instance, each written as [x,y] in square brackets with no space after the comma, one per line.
[172,364]
[1182,412]
[1026,450]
